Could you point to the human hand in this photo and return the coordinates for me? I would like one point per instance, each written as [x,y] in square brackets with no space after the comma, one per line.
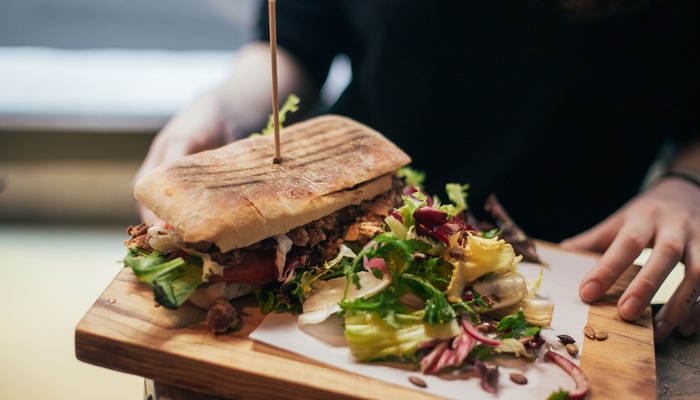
[666,218]
[199,127]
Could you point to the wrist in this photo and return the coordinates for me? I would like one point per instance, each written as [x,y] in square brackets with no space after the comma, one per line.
[685,174]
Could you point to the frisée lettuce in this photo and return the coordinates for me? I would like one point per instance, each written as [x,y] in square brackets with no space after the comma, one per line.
[451,295]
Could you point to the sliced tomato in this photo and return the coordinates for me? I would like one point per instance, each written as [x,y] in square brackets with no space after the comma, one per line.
[255,267]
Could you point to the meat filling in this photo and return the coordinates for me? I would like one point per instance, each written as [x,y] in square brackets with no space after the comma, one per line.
[313,243]
[356,224]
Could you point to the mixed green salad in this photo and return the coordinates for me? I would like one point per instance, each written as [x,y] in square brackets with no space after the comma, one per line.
[431,290]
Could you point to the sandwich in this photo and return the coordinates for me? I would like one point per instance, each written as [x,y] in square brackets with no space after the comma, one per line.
[234,221]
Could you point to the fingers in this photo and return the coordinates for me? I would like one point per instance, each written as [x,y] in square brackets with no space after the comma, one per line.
[689,326]
[632,237]
[682,306]
[666,253]
[146,215]
[676,309]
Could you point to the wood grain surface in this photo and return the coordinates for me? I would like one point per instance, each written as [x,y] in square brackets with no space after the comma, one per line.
[126,331]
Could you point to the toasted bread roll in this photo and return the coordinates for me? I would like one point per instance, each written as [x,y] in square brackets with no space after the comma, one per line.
[235,195]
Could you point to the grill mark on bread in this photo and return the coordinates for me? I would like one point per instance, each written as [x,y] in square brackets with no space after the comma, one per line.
[254,175]
[233,185]
[263,174]
[177,192]
[291,146]
[257,211]
[356,187]
[353,143]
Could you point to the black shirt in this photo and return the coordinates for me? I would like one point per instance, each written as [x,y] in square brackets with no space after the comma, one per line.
[560,117]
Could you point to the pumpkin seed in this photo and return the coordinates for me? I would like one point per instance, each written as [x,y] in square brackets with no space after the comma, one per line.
[520,379]
[417,381]
[566,339]
[589,332]
[572,349]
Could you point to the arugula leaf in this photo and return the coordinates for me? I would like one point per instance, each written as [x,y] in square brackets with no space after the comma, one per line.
[397,254]
[515,326]
[350,271]
[271,299]
[465,308]
[435,270]
[437,309]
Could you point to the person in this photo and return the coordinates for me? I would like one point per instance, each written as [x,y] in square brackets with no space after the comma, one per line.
[557,107]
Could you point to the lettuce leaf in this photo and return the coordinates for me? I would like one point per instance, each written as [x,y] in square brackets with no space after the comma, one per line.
[479,257]
[173,281]
[458,195]
[290,105]
[412,177]
[371,338]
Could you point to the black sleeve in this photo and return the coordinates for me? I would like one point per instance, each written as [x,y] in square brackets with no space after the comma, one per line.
[313,31]
[684,57]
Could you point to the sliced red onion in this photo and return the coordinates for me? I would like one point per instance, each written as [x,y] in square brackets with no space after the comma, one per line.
[462,345]
[428,365]
[447,359]
[374,263]
[576,373]
[473,331]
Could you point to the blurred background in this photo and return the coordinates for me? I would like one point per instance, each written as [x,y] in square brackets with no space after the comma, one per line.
[84,87]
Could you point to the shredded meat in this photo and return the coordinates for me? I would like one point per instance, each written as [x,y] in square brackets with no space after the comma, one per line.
[139,237]
[232,257]
[221,316]
[298,236]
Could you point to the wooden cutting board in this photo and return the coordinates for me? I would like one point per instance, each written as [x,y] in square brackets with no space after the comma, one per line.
[126,331]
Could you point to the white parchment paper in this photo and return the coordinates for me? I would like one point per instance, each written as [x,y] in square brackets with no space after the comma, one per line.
[560,286]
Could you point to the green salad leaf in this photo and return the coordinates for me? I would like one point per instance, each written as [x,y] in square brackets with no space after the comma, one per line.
[290,105]
[559,395]
[412,177]
[458,195]
[372,338]
[515,326]
[172,280]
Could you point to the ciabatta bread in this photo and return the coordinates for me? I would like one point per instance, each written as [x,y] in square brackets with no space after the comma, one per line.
[235,195]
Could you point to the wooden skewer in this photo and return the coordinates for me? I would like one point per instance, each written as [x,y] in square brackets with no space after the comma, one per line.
[275,99]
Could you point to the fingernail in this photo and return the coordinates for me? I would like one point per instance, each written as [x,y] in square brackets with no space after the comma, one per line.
[590,291]
[631,308]
[688,327]
[660,331]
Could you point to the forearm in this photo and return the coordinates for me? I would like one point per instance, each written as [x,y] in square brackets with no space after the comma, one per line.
[688,158]
[683,165]
[246,97]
